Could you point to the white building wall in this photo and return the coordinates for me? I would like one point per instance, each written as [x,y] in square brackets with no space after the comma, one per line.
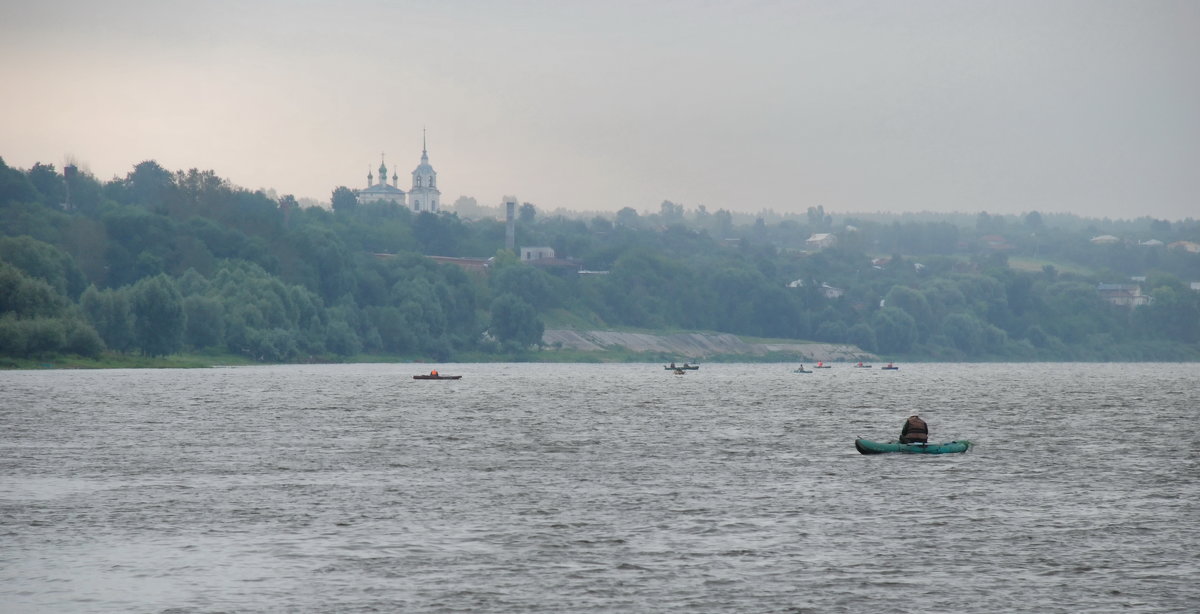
[536,253]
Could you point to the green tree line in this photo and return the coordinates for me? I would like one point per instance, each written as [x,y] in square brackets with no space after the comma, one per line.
[160,262]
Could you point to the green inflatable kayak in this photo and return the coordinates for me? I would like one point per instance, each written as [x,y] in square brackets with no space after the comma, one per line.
[866,446]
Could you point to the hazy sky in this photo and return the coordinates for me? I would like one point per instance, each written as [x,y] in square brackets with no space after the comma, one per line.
[1090,107]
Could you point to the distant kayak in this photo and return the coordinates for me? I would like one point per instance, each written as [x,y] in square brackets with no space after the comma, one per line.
[437,377]
[684,367]
[801,370]
[866,446]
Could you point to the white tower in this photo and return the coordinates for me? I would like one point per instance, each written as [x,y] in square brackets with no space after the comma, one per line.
[424,195]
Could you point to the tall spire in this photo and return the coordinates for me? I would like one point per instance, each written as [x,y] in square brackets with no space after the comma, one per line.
[424,192]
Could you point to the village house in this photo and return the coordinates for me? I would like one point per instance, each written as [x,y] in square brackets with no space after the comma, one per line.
[826,290]
[821,241]
[536,253]
[1187,246]
[1125,295]
[831,292]
[545,258]
[995,242]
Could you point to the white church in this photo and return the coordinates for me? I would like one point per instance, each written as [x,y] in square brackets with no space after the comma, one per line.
[422,196]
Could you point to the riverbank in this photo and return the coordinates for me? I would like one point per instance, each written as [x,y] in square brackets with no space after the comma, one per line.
[696,346]
[558,345]
[112,360]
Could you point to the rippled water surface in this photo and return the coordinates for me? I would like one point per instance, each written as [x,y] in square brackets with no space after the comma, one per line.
[599,488]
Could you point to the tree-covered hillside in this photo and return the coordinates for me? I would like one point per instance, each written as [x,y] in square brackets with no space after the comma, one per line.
[161,262]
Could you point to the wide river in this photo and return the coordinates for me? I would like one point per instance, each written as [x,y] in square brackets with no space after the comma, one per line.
[599,488]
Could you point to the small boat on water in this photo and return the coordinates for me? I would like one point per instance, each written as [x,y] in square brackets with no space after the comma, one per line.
[821,365]
[436,376]
[866,446]
[801,370]
[685,367]
[890,367]
[862,366]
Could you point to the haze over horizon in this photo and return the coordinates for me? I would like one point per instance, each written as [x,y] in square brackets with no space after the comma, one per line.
[1085,107]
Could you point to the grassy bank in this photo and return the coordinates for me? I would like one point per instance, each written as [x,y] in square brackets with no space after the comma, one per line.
[128,361]
[1142,352]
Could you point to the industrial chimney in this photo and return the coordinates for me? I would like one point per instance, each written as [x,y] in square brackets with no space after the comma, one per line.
[510,228]
[70,171]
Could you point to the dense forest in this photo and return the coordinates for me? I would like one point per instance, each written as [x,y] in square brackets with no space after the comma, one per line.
[161,262]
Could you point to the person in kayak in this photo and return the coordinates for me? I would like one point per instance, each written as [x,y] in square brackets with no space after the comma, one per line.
[914,430]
